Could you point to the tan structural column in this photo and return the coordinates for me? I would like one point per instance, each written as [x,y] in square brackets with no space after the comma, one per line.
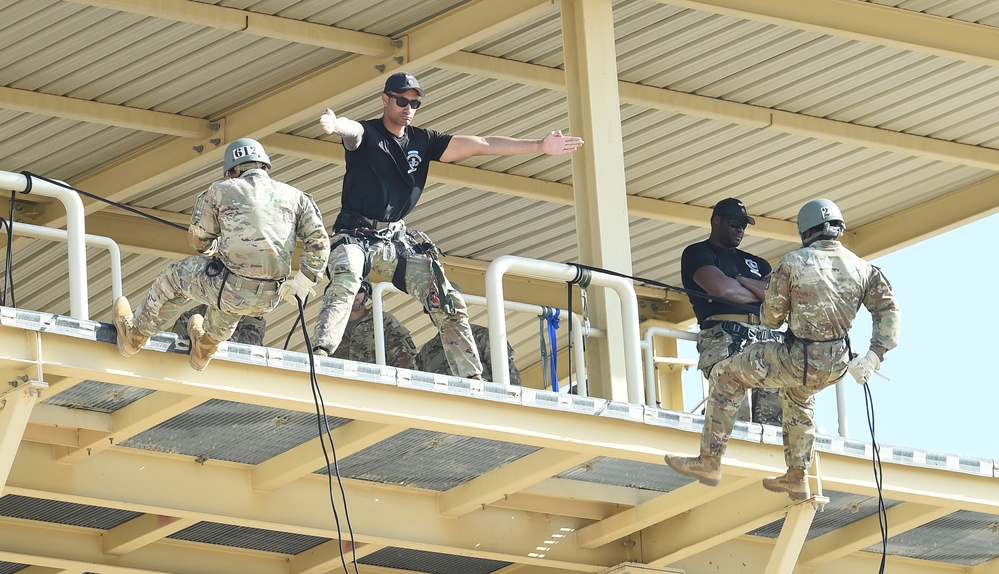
[598,178]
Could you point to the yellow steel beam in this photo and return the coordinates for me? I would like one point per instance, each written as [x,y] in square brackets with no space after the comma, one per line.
[142,531]
[507,479]
[657,510]
[928,219]
[867,22]
[149,483]
[72,549]
[863,533]
[105,114]
[308,457]
[254,23]
[739,114]
[711,524]
[792,535]
[327,558]
[129,421]
[15,411]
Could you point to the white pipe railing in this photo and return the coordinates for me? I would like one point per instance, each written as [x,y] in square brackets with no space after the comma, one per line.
[579,331]
[41,232]
[650,353]
[78,301]
[562,272]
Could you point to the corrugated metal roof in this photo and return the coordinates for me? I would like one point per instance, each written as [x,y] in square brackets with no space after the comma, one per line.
[868,92]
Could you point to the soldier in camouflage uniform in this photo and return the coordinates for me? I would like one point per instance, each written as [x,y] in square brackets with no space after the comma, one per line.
[431,357]
[388,161]
[818,291]
[731,282]
[359,337]
[249,330]
[246,228]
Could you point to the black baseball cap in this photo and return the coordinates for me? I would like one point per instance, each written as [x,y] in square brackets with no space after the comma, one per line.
[401,82]
[732,208]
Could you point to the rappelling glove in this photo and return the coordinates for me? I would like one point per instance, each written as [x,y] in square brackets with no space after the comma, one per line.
[862,367]
[299,286]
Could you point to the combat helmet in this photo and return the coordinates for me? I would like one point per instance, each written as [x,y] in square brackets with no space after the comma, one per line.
[244,150]
[822,215]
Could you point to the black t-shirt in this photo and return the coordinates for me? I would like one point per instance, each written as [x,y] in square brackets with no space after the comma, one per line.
[385,174]
[732,262]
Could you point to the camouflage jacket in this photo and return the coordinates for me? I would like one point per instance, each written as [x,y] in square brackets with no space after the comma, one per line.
[254,224]
[358,343]
[819,289]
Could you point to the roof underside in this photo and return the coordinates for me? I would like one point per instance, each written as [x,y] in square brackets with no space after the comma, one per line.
[887,107]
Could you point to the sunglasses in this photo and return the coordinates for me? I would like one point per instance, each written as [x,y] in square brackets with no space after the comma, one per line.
[737,223]
[403,102]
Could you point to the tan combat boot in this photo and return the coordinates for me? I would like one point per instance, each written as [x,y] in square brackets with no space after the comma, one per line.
[130,340]
[793,482]
[202,346]
[706,469]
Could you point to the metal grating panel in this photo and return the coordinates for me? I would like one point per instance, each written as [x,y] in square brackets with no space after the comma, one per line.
[98,396]
[11,567]
[249,538]
[604,470]
[843,509]
[236,432]
[68,513]
[431,460]
[432,562]
[965,537]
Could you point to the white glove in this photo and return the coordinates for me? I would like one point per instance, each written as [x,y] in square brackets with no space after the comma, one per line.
[862,367]
[299,286]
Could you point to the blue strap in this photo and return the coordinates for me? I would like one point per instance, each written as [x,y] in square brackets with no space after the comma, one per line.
[552,318]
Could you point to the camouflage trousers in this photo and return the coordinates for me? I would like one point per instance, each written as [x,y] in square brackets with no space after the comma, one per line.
[715,344]
[358,342]
[772,364]
[431,357]
[188,280]
[346,265]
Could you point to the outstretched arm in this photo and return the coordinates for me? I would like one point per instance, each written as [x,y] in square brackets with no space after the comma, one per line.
[349,130]
[463,147]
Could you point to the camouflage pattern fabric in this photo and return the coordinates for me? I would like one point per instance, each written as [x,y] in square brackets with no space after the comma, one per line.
[187,280]
[249,330]
[251,224]
[818,291]
[346,266]
[431,357]
[715,344]
[257,222]
[359,342]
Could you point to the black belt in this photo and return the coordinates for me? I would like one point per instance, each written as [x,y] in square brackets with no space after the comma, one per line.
[353,220]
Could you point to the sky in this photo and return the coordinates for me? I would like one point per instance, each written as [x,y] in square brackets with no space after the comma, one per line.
[942,393]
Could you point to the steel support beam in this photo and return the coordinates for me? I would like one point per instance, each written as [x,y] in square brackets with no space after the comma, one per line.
[598,177]
[867,22]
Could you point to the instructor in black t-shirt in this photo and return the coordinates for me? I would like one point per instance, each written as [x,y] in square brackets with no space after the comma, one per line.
[387,165]
[717,268]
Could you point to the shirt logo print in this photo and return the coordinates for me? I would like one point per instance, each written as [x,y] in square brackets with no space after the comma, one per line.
[414,159]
